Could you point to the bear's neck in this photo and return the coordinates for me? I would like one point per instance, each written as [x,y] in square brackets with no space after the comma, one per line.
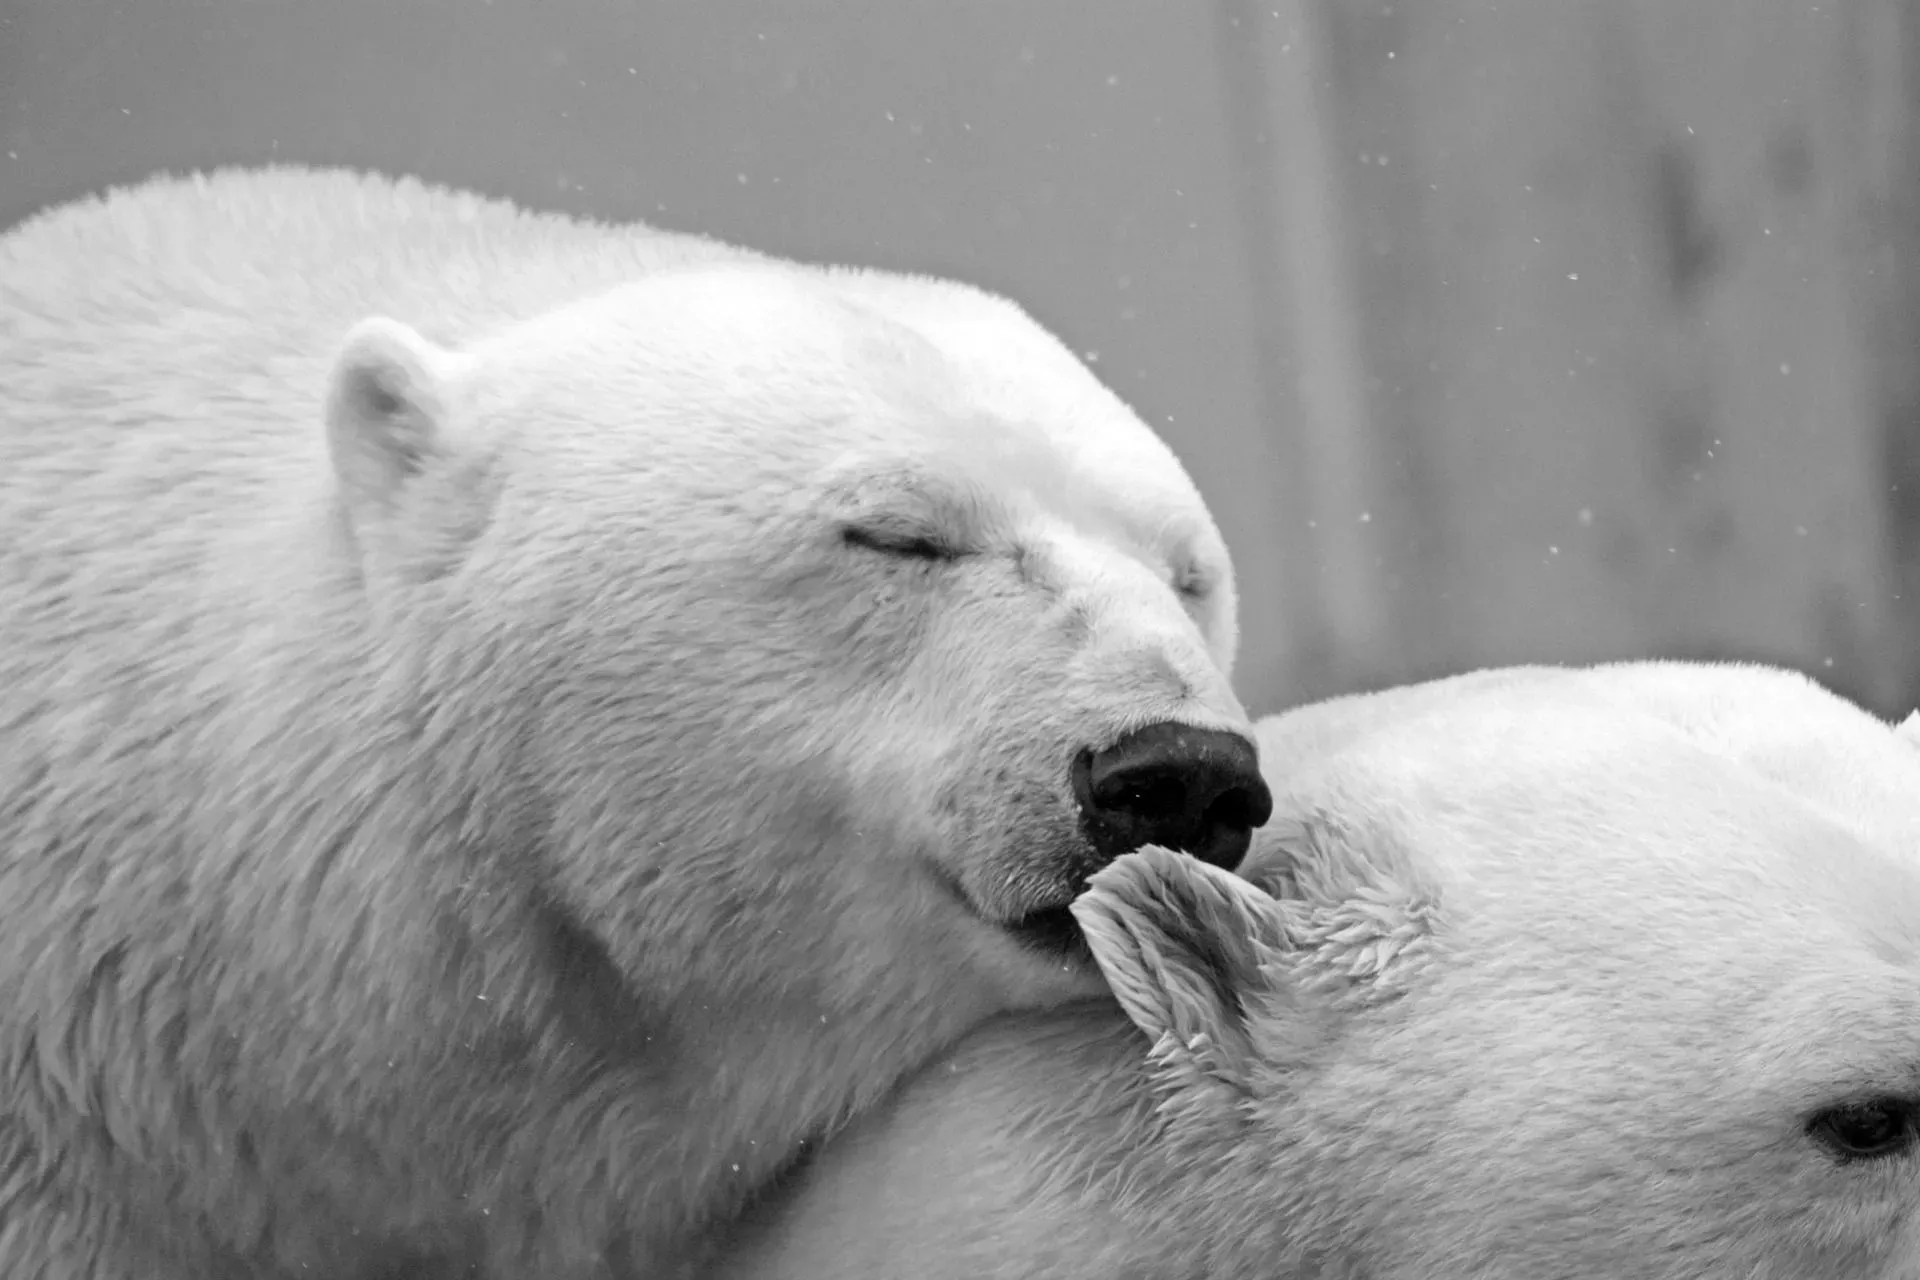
[771,1078]
[1197,1172]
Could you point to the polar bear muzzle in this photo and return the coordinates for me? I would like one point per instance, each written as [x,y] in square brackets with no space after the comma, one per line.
[1187,788]
[1192,789]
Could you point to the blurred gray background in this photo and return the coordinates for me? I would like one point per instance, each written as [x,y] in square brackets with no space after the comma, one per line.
[1551,331]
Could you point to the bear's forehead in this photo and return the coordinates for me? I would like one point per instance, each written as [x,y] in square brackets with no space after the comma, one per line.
[817,375]
[984,394]
[1558,821]
[1026,468]
[921,361]
[1669,901]
[1001,368]
[1833,1027]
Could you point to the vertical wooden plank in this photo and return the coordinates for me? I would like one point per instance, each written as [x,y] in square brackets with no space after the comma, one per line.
[1885,47]
[1757,193]
[1601,274]
[1491,172]
[1341,619]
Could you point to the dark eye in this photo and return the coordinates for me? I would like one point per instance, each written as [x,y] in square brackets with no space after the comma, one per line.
[1869,1130]
[903,543]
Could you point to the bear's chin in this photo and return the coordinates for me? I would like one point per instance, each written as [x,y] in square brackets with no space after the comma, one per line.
[1052,931]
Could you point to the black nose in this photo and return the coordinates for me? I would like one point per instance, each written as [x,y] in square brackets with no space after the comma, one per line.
[1197,790]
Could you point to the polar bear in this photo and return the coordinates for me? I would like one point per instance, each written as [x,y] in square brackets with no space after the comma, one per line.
[512,728]
[1587,974]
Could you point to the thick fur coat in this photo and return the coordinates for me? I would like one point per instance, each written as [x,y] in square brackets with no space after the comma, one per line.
[510,728]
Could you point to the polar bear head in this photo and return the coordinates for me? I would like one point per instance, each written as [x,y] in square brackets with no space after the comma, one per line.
[1582,974]
[817,633]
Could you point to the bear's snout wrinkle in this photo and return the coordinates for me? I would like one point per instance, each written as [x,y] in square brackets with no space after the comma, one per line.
[1192,789]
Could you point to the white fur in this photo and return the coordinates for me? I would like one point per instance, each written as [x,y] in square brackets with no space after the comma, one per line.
[1535,973]
[467,809]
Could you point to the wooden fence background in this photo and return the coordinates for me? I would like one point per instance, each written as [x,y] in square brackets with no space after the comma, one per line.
[1602,314]
[1495,332]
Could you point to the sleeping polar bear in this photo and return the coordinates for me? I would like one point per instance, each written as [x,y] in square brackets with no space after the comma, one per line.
[1542,973]
[510,728]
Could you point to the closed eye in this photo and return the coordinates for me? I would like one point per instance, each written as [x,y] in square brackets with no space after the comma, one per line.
[904,543]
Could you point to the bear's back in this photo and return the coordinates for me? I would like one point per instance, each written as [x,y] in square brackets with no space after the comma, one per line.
[207,309]
[164,350]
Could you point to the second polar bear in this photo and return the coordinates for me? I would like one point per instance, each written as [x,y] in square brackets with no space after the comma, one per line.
[1573,973]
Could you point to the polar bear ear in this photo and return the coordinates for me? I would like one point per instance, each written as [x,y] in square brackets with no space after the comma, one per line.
[1186,948]
[386,410]
[1909,728]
